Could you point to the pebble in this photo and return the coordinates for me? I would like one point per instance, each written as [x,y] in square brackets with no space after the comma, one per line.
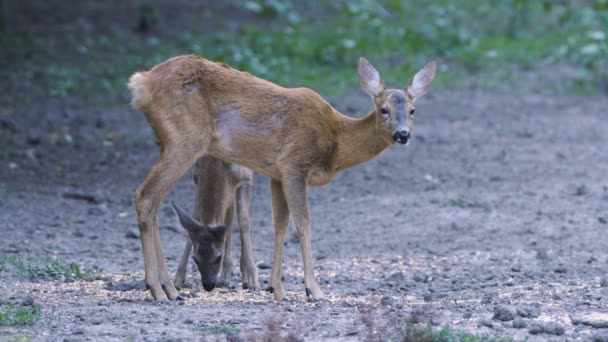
[126,285]
[264,266]
[519,323]
[485,323]
[98,210]
[387,301]
[132,234]
[28,301]
[396,277]
[551,328]
[504,312]
[528,311]
[601,336]
[596,320]
[604,281]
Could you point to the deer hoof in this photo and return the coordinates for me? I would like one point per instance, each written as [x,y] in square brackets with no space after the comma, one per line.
[270,289]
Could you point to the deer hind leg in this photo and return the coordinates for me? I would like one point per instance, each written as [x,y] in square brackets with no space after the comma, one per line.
[182,270]
[280,213]
[297,202]
[174,161]
[248,269]
[227,262]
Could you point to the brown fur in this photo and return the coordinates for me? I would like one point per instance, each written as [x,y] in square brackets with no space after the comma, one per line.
[220,187]
[196,106]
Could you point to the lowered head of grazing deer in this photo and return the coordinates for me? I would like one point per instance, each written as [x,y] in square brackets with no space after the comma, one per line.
[395,107]
[207,244]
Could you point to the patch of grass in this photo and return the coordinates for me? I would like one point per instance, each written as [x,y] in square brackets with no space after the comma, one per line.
[51,269]
[5,191]
[19,316]
[447,334]
[217,330]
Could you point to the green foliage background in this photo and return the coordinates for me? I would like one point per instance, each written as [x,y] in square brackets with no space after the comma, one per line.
[310,43]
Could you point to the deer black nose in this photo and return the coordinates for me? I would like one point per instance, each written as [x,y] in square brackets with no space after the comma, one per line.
[208,286]
[401,136]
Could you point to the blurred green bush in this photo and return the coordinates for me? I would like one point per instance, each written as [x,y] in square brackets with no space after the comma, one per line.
[317,43]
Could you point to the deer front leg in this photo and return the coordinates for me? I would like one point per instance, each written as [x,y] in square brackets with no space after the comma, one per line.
[297,202]
[248,269]
[280,214]
[169,168]
[227,264]
[182,269]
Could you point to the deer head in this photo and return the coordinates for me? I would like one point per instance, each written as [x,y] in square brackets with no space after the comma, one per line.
[395,107]
[207,244]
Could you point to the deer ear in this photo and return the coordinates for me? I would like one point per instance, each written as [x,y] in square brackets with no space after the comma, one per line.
[189,224]
[369,78]
[421,82]
[218,232]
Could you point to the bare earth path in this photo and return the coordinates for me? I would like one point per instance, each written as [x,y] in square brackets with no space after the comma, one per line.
[499,204]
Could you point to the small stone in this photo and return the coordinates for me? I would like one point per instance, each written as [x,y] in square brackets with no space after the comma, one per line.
[33,138]
[485,323]
[132,234]
[104,303]
[519,323]
[581,190]
[396,277]
[535,329]
[387,301]
[188,321]
[504,312]
[467,315]
[560,269]
[126,285]
[554,329]
[421,278]
[542,254]
[97,210]
[264,266]
[528,311]
[601,336]
[28,301]
[604,281]
[597,320]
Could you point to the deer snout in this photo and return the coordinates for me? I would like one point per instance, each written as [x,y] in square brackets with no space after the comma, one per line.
[208,286]
[401,136]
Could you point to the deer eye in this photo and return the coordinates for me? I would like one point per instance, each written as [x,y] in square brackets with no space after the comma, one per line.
[384,110]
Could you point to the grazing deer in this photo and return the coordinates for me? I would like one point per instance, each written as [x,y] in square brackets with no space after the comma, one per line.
[219,186]
[199,107]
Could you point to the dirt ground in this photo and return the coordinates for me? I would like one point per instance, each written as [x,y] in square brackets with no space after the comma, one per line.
[493,221]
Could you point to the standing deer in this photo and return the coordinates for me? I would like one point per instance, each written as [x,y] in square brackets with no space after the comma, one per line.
[219,186]
[199,107]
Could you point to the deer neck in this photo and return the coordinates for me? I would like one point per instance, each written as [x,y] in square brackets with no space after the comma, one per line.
[358,141]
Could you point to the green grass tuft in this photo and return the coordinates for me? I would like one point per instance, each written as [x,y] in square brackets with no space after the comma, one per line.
[19,316]
[217,330]
[51,269]
[447,334]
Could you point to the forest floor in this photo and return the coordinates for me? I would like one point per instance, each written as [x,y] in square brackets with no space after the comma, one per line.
[492,221]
